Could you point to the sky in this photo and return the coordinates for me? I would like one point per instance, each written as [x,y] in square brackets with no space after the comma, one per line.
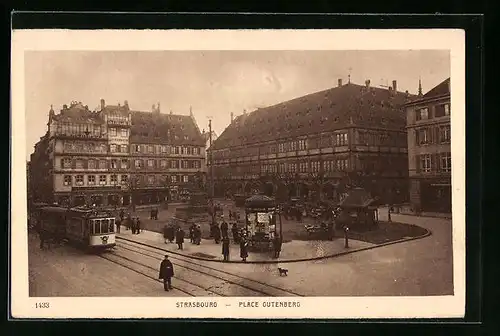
[213,83]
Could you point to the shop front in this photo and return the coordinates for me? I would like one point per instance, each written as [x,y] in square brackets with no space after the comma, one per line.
[435,196]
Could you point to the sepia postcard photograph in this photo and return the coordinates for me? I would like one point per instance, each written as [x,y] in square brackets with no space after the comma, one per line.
[271,174]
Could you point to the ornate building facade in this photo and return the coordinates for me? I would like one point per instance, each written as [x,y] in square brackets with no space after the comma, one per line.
[316,146]
[429,149]
[104,158]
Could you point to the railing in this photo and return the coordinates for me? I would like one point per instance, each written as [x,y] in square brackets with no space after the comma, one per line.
[87,136]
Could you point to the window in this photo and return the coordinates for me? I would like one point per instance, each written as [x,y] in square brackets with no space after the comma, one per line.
[97,226]
[124,179]
[79,180]
[66,163]
[423,136]
[151,179]
[303,167]
[197,164]
[91,179]
[302,145]
[151,164]
[440,110]
[174,164]
[342,164]
[164,149]
[124,148]
[163,164]
[425,163]
[91,164]
[124,132]
[422,114]
[102,179]
[137,148]
[114,164]
[185,178]
[198,150]
[185,164]
[446,162]
[150,149]
[102,164]
[446,109]
[174,178]
[112,132]
[177,150]
[67,180]
[138,164]
[124,164]
[79,164]
[114,179]
[340,139]
[444,134]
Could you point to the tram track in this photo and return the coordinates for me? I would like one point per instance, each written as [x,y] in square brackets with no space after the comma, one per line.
[258,287]
[192,289]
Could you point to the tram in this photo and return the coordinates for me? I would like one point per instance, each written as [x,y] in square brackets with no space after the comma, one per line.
[88,228]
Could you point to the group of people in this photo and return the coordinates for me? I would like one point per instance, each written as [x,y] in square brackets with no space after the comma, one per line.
[171,232]
[130,222]
[195,234]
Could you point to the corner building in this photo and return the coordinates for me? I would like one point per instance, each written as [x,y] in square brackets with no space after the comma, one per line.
[115,156]
[429,149]
[315,146]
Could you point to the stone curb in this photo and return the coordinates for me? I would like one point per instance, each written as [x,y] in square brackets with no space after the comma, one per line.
[288,261]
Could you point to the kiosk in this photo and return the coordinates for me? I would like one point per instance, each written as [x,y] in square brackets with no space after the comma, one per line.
[260,221]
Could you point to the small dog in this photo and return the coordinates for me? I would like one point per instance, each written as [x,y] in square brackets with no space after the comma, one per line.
[283,271]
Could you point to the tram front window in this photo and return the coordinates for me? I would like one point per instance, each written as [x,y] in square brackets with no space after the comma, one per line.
[106,225]
[97,226]
[111,225]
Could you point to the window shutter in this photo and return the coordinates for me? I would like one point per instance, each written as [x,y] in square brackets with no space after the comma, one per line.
[417,163]
[438,163]
[417,137]
[73,163]
[433,162]
[62,162]
[85,164]
[436,135]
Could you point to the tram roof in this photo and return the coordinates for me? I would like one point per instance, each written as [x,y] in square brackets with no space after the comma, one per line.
[54,209]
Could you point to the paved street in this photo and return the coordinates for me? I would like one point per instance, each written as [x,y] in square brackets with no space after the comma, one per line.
[65,271]
[419,267]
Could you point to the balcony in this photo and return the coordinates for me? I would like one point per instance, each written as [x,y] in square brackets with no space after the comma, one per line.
[81,136]
[123,123]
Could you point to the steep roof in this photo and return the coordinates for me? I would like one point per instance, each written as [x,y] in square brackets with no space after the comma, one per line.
[155,127]
[328,110]
[357,198]
[78,113]
[122,110]
[439,90]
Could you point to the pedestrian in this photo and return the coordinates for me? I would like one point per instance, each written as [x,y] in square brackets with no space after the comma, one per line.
[122,214]
[243,249]
[171,233]
[118,224]
[156,213]
[225,248]
[236,236]
[224,229]
[166,273]
[165,233]
[197,235]
[138,225]
[179,238]
[217,234]
[134,225]
[191,233]
[277,242]
[128,220]
[230,215]
[42,235]
[152,214]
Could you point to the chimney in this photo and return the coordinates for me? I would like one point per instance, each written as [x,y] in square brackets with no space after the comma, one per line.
[394,85]
[232,116]
[340,82]
[103,104]
[367,83]
[191,111]
[158,108]
[125,103]
[245,111]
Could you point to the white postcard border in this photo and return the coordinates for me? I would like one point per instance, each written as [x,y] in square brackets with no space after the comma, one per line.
[22,306]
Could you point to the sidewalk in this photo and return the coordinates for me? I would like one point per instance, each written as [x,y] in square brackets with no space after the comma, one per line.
[294,250]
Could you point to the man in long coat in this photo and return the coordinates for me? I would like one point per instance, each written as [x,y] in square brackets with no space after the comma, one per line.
[236,235]
[244,249]
[179,238]
[277,242]
[166,273]
[225,248]
[217,234]
[224,228]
